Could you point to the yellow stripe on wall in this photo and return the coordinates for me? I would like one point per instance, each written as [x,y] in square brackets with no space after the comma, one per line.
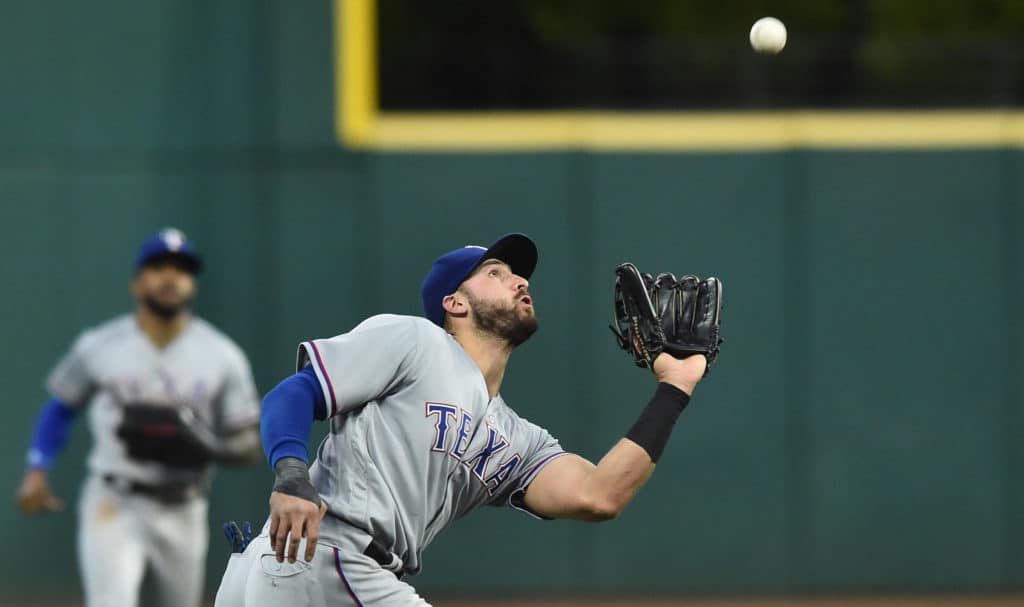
[696,131]
[355,66]
[360,124]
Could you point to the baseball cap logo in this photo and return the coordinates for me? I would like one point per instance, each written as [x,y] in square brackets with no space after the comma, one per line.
[173,238]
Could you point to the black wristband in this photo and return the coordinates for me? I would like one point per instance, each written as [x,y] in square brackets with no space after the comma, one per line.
[652,429]
[291,477]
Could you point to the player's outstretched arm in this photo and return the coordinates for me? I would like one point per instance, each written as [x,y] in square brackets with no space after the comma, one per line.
[572,487]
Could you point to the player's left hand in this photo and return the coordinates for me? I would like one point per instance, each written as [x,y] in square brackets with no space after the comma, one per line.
[683,373]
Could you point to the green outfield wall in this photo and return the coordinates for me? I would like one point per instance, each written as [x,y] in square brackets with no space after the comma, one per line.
[860,432]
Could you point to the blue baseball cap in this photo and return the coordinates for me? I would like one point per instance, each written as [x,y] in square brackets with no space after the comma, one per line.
[169,243]
[453,268]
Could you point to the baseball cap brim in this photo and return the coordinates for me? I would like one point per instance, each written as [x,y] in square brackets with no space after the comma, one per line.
[517,250]
[190,262]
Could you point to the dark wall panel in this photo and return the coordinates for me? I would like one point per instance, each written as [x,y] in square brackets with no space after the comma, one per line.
[902,420]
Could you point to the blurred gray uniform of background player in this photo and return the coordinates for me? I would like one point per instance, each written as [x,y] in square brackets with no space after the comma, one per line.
[146,518]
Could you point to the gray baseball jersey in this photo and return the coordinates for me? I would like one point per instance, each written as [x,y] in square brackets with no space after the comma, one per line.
[416,442]
[117,364]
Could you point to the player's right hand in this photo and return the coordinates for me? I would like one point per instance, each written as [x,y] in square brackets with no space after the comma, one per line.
[34,495]
[291,519]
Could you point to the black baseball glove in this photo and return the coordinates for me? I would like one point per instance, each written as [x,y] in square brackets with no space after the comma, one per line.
[169,435]
[663,314]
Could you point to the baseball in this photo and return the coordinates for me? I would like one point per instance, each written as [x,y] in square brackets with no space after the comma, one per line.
[768,35]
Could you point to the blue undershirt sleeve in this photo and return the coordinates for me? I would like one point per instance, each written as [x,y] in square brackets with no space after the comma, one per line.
[51,433]
[286,419]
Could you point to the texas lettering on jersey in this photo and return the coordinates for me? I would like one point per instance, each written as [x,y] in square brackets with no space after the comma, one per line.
[451,436]
[405,376]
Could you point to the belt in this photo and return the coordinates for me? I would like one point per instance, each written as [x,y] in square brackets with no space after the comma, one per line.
[168,493]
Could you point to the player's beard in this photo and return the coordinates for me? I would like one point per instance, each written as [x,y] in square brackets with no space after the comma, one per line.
[505,322]
[163,310]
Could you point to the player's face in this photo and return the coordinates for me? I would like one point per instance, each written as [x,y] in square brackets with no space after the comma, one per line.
[500,302]
[166,287]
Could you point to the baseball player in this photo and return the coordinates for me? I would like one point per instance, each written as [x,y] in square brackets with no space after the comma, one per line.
[167,394]
[420,436]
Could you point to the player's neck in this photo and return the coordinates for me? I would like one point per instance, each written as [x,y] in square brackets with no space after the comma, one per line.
[161,331]
[490,353]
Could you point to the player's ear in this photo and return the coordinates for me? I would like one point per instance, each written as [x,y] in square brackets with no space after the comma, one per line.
[455,304]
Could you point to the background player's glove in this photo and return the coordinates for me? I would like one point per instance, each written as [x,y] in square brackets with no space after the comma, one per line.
[169,435]
[663,314]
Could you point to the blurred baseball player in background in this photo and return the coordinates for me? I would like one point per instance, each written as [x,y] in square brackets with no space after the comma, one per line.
[168,394]
[420,436]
